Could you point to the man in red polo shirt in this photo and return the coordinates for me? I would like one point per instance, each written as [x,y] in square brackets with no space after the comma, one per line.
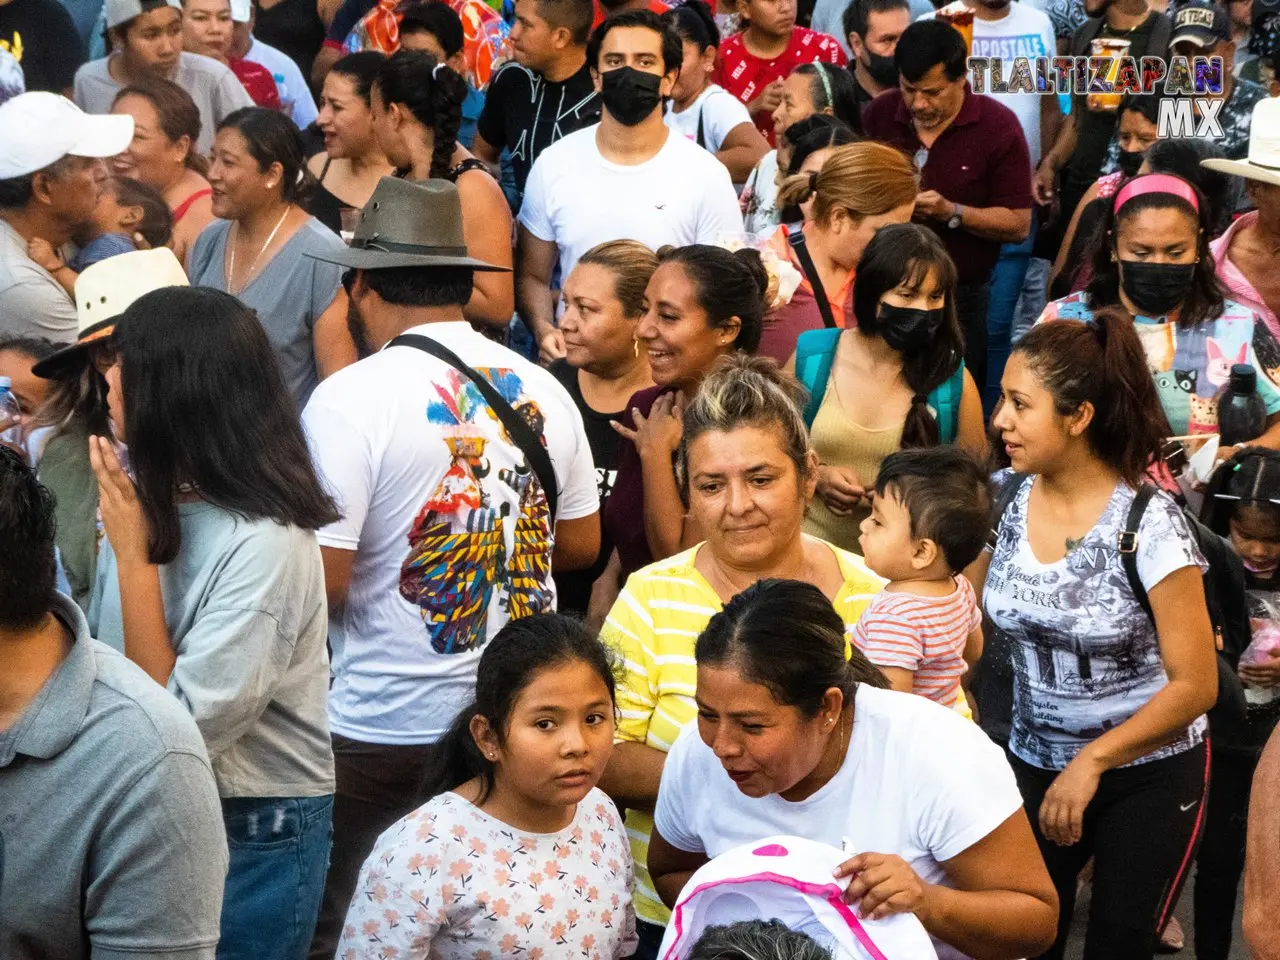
[975,185]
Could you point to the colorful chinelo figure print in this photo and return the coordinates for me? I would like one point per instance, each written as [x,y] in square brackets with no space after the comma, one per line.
[479,534]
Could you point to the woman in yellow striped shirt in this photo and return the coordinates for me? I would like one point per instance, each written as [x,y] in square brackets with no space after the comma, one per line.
[746,472]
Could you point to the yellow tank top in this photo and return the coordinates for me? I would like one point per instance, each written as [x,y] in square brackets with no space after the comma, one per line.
[841,442]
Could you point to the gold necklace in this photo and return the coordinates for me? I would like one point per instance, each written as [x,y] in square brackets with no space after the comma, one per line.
[231,269]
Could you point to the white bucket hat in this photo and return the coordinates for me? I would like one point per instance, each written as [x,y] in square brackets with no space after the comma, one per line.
[1263,162]
[106,290]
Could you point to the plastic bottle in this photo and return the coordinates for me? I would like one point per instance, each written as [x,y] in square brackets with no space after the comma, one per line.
[285,103]
[10,431]
[1242,414]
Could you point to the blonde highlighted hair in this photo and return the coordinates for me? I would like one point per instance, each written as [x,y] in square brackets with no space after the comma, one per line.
[631,263]
[747,391]
[866,178]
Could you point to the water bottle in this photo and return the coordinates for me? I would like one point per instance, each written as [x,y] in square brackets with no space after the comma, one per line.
[286,105]
[1242,414]
[10,431]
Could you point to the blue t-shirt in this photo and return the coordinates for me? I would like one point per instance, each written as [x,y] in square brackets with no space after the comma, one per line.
[99,248]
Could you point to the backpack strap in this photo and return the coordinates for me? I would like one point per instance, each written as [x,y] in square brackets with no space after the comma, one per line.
[1128,545]
[809,269]
[1004,499]
[702,137]
[1161,34]
[815,352]
[945,400]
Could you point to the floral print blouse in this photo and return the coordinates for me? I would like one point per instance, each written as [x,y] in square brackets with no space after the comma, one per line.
[450,882]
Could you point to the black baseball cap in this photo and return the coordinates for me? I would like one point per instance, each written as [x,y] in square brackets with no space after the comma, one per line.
[1201,23]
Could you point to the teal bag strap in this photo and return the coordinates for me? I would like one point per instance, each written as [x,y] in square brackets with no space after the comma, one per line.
[945,400]
[815,351]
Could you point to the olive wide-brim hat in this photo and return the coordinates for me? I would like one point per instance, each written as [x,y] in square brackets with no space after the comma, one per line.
[409,223]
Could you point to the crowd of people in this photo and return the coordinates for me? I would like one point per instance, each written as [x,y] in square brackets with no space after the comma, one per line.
[467,475]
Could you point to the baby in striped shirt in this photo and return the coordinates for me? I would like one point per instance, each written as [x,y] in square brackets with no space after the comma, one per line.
[930,516]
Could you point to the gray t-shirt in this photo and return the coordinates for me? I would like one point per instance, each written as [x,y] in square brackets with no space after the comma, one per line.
[32,303]
[111,835]
[214,88]
[289,294]
[245,606]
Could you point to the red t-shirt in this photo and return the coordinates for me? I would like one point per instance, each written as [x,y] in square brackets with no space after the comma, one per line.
[744,74]
[257,82]
[655,6]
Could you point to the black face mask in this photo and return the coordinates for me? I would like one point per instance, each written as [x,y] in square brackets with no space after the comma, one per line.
[630,95]
[1156,288]
[907,329]
[1130,161]
[882,69]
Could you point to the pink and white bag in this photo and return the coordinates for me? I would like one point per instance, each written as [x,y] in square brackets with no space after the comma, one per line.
[788,879]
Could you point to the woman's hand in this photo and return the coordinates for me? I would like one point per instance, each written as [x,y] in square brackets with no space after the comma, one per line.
[883,884]
[658,434]
[122,515]
[1262,674]
[768,100]
[1062,811]
[840,489]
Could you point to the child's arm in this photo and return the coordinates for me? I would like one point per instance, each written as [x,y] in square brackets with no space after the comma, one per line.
[972,654]
[42,252]
[899,679]
[889,642]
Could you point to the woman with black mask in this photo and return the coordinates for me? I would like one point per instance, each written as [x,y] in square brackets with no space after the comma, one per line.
[893,379]
[1139,152]
[1156,264]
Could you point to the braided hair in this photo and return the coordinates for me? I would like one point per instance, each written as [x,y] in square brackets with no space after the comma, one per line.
[433,93]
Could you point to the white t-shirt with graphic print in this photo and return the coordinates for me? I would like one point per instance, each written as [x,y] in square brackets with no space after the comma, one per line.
[448,523]
[1085,653]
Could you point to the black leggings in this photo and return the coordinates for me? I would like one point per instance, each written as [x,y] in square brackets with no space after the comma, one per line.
[1141,830]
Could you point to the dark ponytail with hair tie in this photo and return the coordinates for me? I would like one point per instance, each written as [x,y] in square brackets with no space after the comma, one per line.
[433,93]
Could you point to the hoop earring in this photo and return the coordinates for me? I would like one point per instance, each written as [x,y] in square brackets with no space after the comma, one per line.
[635,347]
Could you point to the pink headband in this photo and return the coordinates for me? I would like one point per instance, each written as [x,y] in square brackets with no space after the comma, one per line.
[1157,183]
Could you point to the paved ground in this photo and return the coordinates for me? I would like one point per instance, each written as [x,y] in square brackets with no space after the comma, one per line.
[1183,912]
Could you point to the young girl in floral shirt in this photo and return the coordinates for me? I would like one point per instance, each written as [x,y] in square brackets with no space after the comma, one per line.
[516,853]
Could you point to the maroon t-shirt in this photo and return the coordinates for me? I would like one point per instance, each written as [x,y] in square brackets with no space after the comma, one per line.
[980,160]
[624,513]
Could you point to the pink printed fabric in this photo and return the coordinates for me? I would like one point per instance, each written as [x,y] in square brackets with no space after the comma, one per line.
[925,635]
[1236,285]
[450,882]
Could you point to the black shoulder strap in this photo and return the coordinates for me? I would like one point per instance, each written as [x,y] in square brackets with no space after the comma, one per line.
[1128,545]
[702,137]
[1161,33]
[796,239]
[1008,490]
[518,429]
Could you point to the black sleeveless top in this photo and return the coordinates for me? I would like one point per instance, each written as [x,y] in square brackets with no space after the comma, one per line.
[323,205]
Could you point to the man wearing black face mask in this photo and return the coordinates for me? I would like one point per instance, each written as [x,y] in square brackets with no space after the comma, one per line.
[873,28]
[628,177]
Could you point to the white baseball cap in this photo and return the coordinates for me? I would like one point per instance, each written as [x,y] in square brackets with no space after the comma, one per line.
[38,129]
[122,11]
[241,11]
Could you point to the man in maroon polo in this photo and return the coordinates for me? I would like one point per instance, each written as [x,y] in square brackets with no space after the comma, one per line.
[975,186]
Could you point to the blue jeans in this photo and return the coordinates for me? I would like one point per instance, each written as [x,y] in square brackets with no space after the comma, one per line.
[279,855]
[1006,287]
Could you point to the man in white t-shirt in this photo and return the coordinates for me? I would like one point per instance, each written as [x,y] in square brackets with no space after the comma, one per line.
[452,516]
[629,177]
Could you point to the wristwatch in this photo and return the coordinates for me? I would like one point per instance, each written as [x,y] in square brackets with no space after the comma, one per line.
[956,218]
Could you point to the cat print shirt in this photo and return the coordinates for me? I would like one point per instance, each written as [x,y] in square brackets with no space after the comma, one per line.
[1191,364]
[450,882]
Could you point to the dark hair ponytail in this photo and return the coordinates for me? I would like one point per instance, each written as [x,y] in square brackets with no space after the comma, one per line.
[508,665]
[272,137]
[433,93]
[773,617]
[694,21]
[1101,362]
[728,285]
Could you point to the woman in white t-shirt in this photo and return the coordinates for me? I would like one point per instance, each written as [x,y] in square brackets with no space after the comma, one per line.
[704,112]
[1109,692]
[811,744]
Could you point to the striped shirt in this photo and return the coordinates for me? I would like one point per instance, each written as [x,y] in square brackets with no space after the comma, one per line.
[654,624]
[925,635]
